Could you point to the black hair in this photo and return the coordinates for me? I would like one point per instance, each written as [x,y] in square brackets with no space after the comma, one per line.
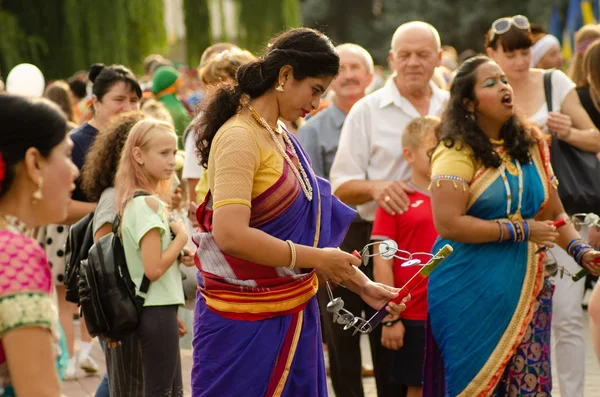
[308,51]
[78,87]
[457,124]
[27,123]
[105,77]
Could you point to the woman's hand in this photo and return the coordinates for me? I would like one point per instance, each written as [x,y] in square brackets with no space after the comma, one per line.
[588,259]
[336,265]
[393,337]
[187,259]
[560,124]
[543,233]
[377,295]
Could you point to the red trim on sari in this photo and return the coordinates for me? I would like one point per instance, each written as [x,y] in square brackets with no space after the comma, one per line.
[285,358]
[276,199]
[255,304]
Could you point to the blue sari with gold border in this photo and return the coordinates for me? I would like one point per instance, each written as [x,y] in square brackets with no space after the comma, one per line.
[483,297]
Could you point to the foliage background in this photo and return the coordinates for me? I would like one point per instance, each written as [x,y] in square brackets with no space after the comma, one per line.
[63,36]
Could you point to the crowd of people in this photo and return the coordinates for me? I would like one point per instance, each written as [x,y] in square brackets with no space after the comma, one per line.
[242,188]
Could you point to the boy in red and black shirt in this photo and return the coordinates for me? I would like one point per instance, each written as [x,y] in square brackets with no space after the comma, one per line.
[414,232]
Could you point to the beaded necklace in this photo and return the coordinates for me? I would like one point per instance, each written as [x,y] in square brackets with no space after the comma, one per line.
[15,225]
[507,165]
[301,175]
[516,217]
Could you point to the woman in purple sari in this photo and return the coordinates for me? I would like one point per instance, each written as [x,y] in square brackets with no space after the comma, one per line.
[268,231]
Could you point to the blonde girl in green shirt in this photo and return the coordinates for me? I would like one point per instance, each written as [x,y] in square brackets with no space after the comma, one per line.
[147,164]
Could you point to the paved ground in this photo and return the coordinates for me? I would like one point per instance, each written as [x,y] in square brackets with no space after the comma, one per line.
[86,386]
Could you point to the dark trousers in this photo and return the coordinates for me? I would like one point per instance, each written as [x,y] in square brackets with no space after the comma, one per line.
[344,348]
[159,336]
[124,368]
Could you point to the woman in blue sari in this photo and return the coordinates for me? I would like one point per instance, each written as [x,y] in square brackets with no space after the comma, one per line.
[494,200]
[266,228]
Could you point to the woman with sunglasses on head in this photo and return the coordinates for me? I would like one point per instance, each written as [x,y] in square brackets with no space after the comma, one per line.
[494,199]
[509,43]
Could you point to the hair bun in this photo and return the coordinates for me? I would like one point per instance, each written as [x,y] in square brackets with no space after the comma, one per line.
[251,80]
[95,70]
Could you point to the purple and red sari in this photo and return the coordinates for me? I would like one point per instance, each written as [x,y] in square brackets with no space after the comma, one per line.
[257,330]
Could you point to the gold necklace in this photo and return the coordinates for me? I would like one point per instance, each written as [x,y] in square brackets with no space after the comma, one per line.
[504,156]
[301,176]
[15,225]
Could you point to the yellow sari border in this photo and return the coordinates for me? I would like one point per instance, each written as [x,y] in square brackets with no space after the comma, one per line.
[282,302]
[486,380]
[483,179]
[291,355]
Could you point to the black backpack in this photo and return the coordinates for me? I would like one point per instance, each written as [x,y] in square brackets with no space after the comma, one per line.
[79,242]
[109,303]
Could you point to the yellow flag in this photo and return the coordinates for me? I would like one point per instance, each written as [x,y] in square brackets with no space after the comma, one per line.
[566,46]
[587,12]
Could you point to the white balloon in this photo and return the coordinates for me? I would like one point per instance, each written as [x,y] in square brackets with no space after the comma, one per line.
[25,79]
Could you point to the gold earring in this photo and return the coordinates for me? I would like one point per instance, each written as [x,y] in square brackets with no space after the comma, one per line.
[37,195]
[279,87]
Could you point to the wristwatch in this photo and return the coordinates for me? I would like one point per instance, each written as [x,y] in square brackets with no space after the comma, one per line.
[390,323]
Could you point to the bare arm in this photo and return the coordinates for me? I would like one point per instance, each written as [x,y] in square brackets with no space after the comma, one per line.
[449,205]
[580,130]
[77,210]
[31,359]
[554,211]
[356,192]
[156,261]
[235,237]
[389,195]
[103,231]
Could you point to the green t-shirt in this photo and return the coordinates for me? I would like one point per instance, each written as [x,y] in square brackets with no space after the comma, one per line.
[139,219]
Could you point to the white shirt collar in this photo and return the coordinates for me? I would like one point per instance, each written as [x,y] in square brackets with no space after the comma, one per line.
[390,94]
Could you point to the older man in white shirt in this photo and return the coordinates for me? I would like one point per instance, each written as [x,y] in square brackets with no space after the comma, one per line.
[368,169]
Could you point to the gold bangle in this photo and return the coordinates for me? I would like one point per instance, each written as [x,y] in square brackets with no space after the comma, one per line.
[293,252]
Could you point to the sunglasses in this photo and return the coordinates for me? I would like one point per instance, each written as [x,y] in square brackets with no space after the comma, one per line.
[502,25]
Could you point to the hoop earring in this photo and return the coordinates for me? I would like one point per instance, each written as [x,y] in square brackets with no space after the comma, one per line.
[279,88]
[37,195]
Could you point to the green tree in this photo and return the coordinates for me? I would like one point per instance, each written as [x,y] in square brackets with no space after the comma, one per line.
[258,23]
[197,29]
[62,36]
[461,23]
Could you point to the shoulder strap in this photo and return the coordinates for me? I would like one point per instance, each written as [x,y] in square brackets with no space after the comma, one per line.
[145,285]
[117,221]
[145,280]
[140,193]
[548,89]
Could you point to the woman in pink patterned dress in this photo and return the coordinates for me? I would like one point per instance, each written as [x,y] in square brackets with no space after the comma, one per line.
[36,180]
